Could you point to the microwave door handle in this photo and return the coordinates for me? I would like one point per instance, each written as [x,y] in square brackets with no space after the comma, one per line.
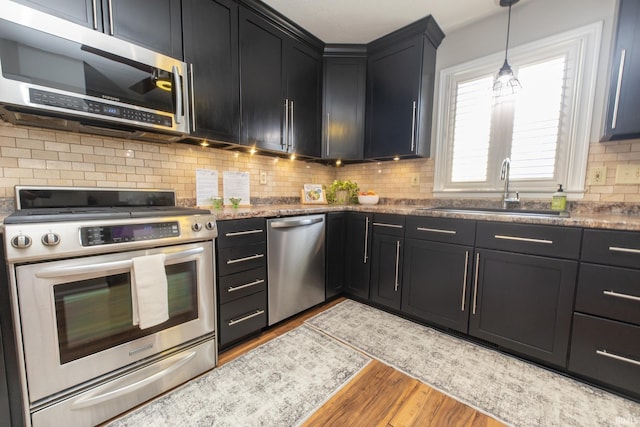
[178,93]
[74,270]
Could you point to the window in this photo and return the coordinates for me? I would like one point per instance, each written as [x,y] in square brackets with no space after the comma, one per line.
[544,129]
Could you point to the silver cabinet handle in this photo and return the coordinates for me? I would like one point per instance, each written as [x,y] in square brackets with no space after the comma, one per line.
[523,239]
[397,264]
[285,132]
[436,230]
[249,258]
[605,353]
[366,240]
[616,102]
[625,250]
[623,296]
[413,127]
[193,98]
[381,224]
[243,233]
[475,284]
[110,11]
[95,15]
[244,318]
[246,285]
[328,135]
[292,138]
[464,283]
[177,87]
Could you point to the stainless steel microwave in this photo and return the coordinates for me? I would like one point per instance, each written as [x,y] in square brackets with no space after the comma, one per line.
[54,73]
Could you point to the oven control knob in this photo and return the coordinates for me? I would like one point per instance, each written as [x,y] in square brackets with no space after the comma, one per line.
[21,241]
[50,239]
[196,227]
[210,225]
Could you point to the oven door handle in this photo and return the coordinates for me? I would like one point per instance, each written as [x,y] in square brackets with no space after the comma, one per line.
[51,273]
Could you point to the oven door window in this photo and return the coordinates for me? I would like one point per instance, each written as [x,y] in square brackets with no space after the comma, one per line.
[95,314]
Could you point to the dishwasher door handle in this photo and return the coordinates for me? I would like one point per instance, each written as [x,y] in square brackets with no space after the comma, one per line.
[295,223]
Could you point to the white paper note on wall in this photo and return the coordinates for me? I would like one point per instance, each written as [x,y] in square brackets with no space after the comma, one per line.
[236,184]
[206,186]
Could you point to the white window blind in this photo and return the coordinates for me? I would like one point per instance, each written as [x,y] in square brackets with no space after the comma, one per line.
[543,129]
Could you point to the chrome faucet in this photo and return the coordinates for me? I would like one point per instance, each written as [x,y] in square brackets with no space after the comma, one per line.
[504,176]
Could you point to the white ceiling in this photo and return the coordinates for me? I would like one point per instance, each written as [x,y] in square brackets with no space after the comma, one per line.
[361,21]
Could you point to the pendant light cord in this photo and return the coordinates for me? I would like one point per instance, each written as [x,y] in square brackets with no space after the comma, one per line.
[506,48]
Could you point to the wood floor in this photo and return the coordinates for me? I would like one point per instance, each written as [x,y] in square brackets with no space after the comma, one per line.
[379,395]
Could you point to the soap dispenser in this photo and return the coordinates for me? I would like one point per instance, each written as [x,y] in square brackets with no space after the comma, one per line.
[559,200]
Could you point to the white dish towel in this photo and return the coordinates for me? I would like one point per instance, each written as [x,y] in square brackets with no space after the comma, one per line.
[149,299]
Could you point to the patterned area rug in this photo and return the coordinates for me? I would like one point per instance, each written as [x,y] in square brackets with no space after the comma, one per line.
[280,383]
[508,389]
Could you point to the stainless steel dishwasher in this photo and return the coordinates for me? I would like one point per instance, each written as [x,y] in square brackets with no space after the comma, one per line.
[296,264]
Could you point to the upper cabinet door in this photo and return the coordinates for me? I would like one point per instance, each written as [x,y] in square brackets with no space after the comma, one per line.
[400,82]
[211,48]
[261,82]
[154,24]
[303,79]
[624,86]
[78,11]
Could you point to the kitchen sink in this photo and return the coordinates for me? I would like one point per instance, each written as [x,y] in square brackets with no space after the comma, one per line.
[500,211]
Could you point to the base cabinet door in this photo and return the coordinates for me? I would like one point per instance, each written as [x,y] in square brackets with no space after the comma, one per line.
[336,251]
[436,283]
[357,271]
[386,270]
[524,303]
[5,419]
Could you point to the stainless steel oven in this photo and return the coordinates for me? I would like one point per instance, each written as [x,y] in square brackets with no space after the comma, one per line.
[84,360]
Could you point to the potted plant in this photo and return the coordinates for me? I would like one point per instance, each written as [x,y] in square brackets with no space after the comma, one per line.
[342,192]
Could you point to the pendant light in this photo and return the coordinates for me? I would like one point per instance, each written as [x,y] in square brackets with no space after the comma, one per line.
[505,82]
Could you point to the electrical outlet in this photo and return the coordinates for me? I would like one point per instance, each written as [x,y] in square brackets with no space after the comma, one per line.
[263,177]
[628,174]
[415,180]
[598,175]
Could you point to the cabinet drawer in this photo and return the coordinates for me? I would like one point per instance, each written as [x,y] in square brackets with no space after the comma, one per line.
[242,317]
[621,248]
[559,242]
[606,351]
[238,285]
[236,259]
[241,232]
[611,292]
[392,225]
[445,230]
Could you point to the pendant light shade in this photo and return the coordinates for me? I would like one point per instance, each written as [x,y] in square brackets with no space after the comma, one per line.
[506,82]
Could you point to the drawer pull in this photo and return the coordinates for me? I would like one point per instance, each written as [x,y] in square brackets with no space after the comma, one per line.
[625,250]
[523,239]
[243,233]
[464,283]
[247,317]
[249,258]
[623,296]
[246,285]
[605,353]
[381,224]
[436,230]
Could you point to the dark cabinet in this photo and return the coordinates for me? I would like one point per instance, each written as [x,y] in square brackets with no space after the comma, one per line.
[606,325]
[387,245]
[155,24]
[358,259]
[437,272]
[344,103]
[521,301]
[623,102]
[400,84]
[336,253]
[242,278]
[211,48]
[5,419]
[280,80]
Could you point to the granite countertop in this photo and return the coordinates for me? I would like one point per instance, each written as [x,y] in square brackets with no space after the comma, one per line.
[586,220]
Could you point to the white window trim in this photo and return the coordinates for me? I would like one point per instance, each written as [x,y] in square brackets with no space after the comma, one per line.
[586,40]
